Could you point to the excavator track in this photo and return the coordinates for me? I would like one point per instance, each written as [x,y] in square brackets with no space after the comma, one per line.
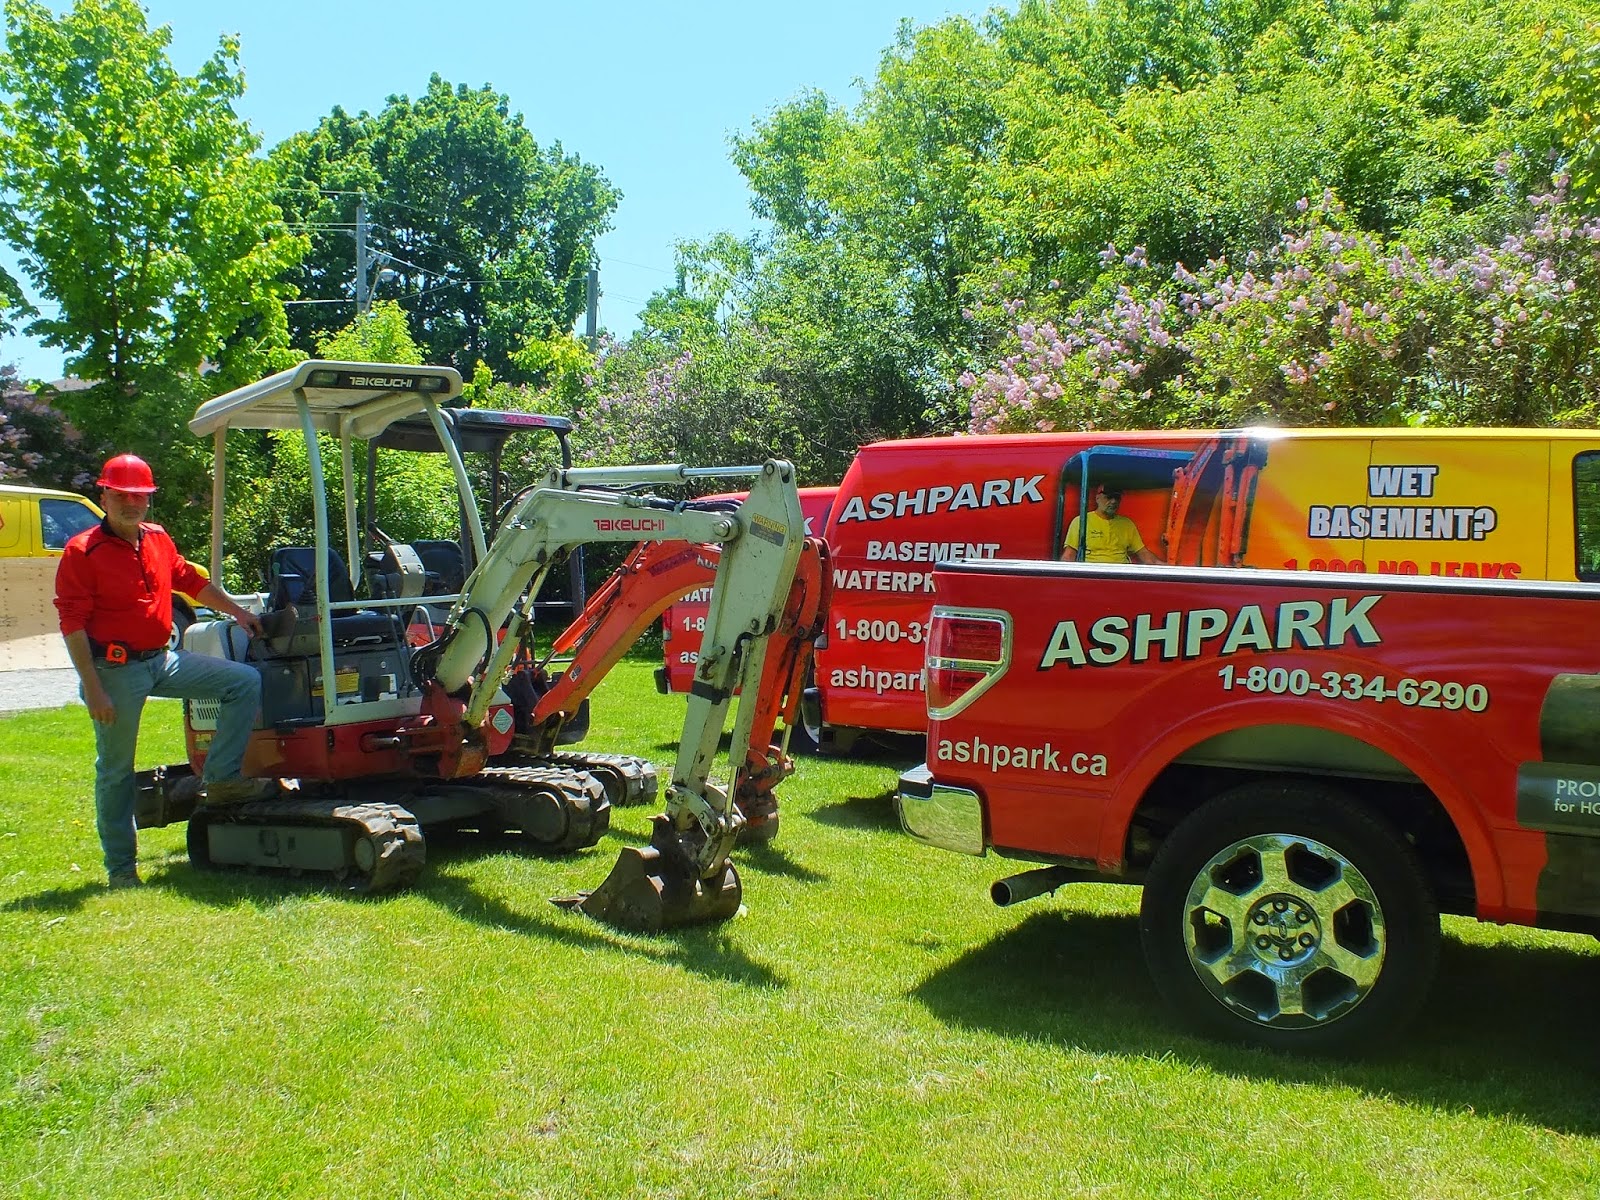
[628,779]
[370,848]
[554,809]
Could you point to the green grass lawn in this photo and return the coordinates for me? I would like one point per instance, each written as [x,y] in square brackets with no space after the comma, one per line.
[872,1026]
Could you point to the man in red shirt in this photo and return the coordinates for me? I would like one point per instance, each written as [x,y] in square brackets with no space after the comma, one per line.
[114,589]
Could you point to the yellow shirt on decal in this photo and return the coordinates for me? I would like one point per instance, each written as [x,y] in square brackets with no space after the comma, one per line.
[1115,540]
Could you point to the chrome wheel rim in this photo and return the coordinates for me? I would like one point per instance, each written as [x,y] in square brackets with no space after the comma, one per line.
[1284,931]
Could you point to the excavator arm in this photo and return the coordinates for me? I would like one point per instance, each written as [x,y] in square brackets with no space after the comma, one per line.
[655,575]
[783,678]
[685,875]
[652,578]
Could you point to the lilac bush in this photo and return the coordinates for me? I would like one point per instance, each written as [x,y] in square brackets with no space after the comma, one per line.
[38,444]
[1329,326]
[635,420]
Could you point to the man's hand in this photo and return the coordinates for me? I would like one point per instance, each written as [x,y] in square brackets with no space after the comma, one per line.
[98,700]
[215,598]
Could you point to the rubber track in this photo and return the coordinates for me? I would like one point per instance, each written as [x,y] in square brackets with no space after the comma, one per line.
[401,851]
[635,779]
[582,797]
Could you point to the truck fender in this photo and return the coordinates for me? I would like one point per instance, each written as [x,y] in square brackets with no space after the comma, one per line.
[1248,712]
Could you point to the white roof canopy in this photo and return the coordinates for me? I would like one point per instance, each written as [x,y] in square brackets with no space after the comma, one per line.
[355,399]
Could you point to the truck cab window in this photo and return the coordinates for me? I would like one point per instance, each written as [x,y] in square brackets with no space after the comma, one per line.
[1586,514]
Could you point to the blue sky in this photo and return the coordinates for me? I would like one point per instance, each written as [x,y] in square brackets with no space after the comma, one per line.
[648,92]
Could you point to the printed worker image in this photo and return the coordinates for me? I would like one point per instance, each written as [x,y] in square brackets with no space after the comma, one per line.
[114,589]
[1106,535]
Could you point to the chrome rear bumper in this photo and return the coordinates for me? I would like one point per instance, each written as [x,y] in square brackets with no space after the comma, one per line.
[948,817]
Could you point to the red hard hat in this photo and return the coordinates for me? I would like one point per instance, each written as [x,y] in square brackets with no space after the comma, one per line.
[127,473]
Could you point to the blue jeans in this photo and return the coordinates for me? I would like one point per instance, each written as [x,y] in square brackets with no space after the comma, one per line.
[178,674]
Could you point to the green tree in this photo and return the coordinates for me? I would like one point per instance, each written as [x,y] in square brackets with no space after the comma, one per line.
[1023,156]
[137,205]
[1569,91]
[891,186]
[1193,132]
[380,335]
[689,386]
[489,236]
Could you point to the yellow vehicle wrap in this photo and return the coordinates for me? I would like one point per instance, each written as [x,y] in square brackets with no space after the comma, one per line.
[35,525]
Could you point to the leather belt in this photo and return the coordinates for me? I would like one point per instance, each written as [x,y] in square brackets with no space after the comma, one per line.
[116,654]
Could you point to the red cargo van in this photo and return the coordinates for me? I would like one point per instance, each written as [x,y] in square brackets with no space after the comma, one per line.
[682,624]
[1481,503]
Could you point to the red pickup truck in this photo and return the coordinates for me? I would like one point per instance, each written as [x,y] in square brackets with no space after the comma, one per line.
[1303,771]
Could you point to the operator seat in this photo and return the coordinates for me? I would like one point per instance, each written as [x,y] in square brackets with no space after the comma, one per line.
[292,580]
[447,569]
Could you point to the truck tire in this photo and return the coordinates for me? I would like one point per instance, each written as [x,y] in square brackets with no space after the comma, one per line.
[182,618]
[805,739]
[1284,914]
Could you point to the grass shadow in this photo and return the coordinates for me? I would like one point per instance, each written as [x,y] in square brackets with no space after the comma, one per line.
[262,889]
[55,900]
[774,860]
[858,812]
[704,950]
[225,887]
[1079,980]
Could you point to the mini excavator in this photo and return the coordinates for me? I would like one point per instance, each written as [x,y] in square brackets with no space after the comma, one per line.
[371,739]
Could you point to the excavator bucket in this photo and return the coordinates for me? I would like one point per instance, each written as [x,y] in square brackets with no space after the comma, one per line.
[657,887]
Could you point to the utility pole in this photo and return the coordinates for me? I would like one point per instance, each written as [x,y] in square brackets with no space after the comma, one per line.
[592,325]
[363,297]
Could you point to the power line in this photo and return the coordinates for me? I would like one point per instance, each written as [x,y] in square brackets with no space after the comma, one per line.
[625,263]
[390,258]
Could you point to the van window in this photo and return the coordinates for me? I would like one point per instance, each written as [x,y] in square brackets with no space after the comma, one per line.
[59,520]
[1586,512]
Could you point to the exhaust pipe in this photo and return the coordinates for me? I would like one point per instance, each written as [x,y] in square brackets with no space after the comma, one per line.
[1014,889]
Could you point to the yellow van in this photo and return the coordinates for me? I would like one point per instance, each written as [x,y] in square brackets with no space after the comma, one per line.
[35,524]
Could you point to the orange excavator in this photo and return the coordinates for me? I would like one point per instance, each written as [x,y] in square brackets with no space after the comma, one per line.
[549,694]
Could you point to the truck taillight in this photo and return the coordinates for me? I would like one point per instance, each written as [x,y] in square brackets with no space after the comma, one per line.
[968,649]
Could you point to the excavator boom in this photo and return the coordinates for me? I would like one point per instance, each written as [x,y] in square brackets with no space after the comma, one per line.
[685,876]
[654,576]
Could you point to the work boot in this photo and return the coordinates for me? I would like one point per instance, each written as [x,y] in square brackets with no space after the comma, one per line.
[228,792]
[124,879]
[185,792]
